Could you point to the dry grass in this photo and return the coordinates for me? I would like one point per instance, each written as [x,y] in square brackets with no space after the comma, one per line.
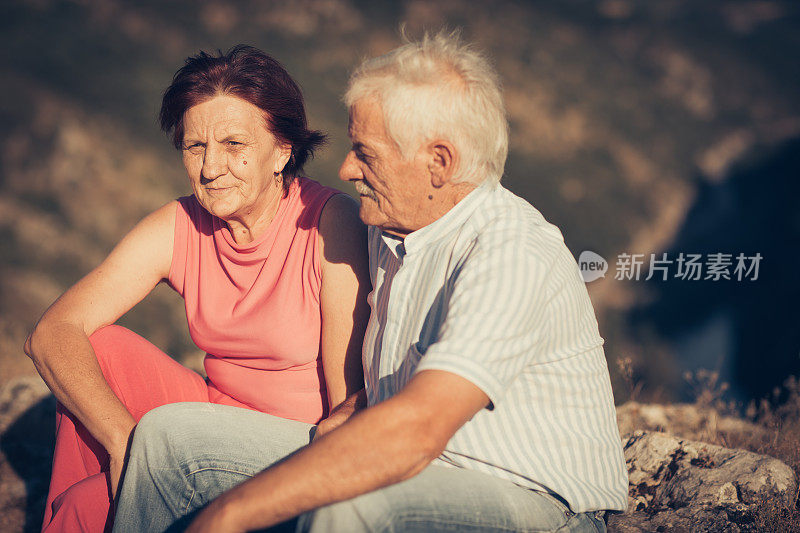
[627,370]
[780,416]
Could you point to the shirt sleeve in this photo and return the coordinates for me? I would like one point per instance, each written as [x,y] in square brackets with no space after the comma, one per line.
[493,324]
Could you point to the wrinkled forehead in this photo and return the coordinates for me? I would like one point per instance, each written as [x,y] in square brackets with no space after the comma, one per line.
[366,120]
[194,126]
[224,114]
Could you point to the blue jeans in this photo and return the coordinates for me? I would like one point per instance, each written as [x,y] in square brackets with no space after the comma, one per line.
[185,455]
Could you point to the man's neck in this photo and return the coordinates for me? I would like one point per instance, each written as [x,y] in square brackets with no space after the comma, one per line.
[442,201]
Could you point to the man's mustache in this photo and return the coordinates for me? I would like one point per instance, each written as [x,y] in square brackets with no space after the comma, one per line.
[364,189]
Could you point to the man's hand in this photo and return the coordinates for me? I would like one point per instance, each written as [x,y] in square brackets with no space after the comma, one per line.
[216,518]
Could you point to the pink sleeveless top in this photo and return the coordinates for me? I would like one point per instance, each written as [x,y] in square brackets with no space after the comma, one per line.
[255,308]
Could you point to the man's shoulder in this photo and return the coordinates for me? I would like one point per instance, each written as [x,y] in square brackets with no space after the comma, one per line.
[504,217]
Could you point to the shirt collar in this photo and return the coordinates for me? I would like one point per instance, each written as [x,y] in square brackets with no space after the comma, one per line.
[444,225]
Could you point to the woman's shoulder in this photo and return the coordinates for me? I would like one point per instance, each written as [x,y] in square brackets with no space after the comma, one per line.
[340,226]
[311,199]
[332,212]
[312,192]
[163,217]
[340,209]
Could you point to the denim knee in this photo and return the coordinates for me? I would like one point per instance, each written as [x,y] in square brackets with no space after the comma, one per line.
[165,430]
[346,516]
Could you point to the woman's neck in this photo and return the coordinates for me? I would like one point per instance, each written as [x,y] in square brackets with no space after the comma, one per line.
[251,225]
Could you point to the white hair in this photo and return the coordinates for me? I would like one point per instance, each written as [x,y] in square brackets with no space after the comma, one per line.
[439,88]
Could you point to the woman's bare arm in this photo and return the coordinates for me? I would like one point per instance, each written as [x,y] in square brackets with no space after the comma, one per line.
[59,343]
[345,285]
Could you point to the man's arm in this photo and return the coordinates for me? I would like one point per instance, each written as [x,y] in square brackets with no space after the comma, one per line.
[377,447]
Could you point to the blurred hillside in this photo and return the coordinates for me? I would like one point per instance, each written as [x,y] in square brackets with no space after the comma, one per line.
[626,116]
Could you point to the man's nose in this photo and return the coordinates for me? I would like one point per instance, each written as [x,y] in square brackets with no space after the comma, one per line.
[215,163]
[349,170]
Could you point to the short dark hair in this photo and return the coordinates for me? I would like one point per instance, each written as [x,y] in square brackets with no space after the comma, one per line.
[247,73]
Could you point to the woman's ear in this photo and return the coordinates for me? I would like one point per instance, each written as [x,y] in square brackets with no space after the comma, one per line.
[442,162]
[284,152]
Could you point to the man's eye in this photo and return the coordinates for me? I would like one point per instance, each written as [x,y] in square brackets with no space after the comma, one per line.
[194,146]
[235,143]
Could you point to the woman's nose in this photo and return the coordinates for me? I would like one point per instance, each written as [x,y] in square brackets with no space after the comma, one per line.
[215,163]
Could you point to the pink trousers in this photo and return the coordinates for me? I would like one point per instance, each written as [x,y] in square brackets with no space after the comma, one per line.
[143,377]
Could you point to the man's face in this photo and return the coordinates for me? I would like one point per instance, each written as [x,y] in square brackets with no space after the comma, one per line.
[392,190]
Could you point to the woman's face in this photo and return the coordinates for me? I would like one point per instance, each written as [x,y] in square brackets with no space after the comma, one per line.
[232,158]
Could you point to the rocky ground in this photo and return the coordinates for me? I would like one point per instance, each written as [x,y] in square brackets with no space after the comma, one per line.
[27,421]
[677,483]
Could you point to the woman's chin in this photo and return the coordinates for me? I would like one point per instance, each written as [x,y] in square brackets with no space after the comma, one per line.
[219,207]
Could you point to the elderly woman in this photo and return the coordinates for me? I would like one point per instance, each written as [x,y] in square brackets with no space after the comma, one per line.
[271,266]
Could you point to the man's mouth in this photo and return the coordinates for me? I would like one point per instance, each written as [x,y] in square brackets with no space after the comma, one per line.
[365,190]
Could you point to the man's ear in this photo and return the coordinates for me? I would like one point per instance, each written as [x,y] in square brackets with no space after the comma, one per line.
[442,162]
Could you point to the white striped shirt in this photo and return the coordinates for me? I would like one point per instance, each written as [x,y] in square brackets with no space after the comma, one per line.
[490,292]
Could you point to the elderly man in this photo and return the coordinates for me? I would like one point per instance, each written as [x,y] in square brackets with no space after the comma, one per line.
[487,405]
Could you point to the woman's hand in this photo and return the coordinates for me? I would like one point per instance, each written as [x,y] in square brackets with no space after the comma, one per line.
[116,465]
[118,459]
[325,426]
[341,413]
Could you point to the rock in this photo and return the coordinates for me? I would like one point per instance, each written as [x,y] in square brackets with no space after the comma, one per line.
[683,520]
[27,420]
[17,396]
[686,420]
[677,484]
